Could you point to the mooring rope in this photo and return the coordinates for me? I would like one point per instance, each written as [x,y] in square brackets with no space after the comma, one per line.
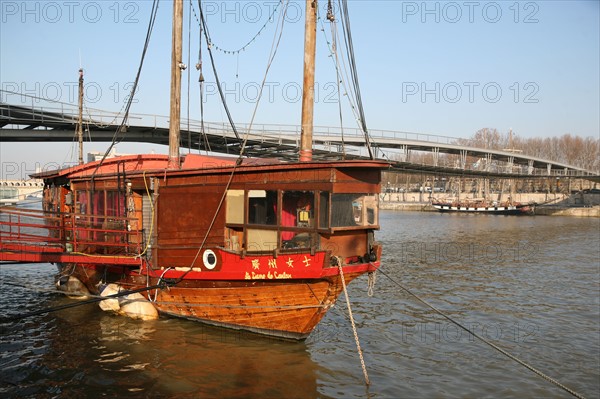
[504,352]
[360,354]
[6,319]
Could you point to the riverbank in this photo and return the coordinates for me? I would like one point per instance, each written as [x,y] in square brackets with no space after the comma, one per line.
[581,211]
[577,205]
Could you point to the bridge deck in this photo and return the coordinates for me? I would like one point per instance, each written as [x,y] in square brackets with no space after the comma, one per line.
[57,122]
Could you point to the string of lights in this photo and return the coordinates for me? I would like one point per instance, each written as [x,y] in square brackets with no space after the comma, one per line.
[252,40]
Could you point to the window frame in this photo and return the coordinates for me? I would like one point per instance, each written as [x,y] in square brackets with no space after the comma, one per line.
[315,230]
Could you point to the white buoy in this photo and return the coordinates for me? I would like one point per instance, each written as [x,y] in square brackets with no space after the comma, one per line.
[133,305]
[137,307]
[111,304]
[73,287]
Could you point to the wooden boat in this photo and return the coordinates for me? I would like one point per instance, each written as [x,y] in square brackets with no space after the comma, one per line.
[484,207]
[253,244]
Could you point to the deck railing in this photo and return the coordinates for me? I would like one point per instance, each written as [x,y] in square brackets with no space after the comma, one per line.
[69,232]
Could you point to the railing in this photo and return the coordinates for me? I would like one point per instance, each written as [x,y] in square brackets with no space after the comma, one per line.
[69,232]
[42,108]
[47,111]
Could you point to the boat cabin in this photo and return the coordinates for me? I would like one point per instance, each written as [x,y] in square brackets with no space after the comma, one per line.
[134,204]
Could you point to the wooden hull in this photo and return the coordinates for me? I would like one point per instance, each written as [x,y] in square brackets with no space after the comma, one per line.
[253,245]
[290,310]
[287,309]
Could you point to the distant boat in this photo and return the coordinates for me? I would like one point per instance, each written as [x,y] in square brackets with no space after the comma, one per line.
[254,244]
[484,207]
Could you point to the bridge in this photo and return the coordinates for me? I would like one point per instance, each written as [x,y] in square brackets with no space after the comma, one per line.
[12,191]
[35,119]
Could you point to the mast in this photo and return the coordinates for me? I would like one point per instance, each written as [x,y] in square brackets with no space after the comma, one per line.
[80,121]
[308,91]
[176,66]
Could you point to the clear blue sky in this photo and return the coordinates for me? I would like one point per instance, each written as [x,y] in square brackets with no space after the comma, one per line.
[448,68]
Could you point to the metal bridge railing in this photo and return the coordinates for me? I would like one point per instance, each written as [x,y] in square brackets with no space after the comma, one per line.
[48,111]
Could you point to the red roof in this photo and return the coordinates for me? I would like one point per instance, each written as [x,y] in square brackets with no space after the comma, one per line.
[159,163]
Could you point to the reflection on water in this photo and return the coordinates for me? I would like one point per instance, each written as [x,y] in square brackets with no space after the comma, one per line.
[531,285]
[84,351]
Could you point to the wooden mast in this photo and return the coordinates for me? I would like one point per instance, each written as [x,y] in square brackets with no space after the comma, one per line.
[308,91]
[176,66]
[80,121]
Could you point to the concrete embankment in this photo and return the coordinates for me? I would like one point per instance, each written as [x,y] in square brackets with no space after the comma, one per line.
[593,212]
[404,206]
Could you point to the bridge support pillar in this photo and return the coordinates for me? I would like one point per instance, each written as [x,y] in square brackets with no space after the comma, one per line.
[511,163]
[405,153]
[436,155]
[463,159]
[530,167]
[488,162]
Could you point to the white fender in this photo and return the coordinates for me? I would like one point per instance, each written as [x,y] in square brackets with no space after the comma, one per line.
[137,306]
[74,286]
[110,304]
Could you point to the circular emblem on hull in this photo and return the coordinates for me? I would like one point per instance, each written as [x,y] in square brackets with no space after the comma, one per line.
[209,258]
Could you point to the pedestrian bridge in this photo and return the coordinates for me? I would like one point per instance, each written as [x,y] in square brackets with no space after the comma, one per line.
[12,191]
[27,119]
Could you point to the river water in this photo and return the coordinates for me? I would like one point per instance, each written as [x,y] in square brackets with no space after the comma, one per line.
[530,285]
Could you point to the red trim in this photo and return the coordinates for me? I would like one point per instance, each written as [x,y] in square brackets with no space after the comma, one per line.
[263,267]
[192,163]
[44,254]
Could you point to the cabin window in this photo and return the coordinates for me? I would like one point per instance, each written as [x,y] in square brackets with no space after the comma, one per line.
[98,203]
[83,200]
[262,206]
[297,212]
[298,209]
[115,203]
[235,207]
[101,203]
[324,210]
[349,210]
[260,240]
[298,240]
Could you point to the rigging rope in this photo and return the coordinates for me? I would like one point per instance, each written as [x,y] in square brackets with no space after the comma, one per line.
[340,65]
[121,127]
[254,37]
[360,353]
[352,92]
[482,339]
[336,62]
[7,319]
[271,58]
[189,73]
[274,48]
[199,64]
[354,71]
[204,29]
